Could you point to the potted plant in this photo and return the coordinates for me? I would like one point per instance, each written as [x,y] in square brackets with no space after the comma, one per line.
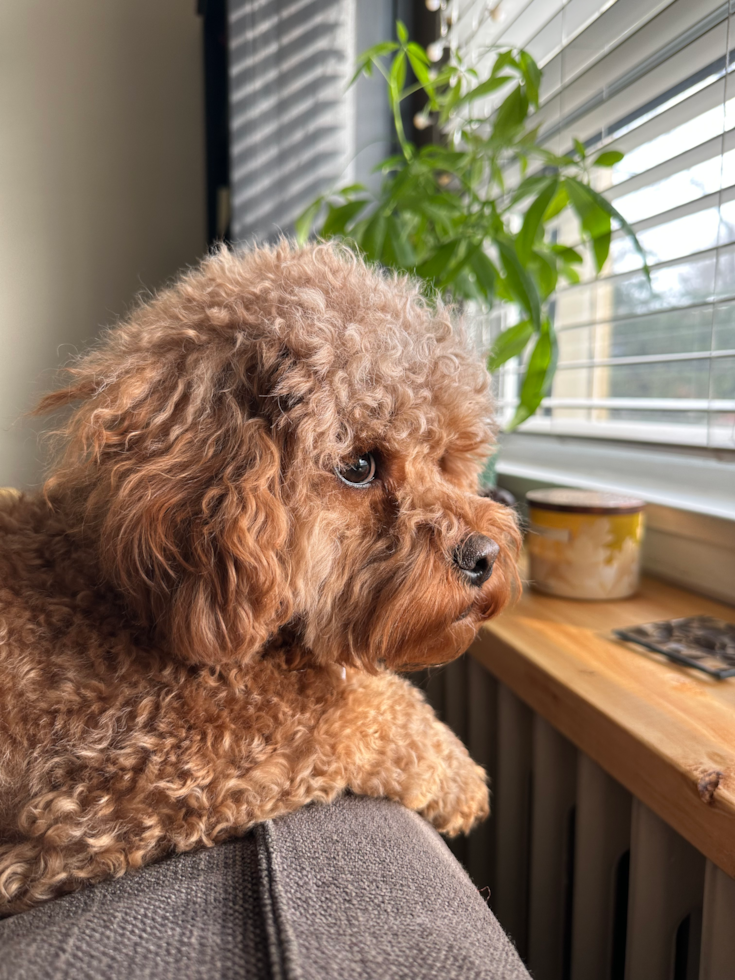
[447,212]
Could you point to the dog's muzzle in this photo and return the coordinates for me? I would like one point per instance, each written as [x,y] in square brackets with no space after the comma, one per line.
[475,558]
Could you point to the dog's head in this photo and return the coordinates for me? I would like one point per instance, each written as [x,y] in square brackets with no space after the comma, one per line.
[288,443]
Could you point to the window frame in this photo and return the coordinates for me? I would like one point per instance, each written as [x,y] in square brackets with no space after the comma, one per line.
[686,478]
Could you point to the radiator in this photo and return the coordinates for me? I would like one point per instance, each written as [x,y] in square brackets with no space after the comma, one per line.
[589,883]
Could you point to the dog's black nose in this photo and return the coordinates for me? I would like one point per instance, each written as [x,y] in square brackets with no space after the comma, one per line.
[475,558]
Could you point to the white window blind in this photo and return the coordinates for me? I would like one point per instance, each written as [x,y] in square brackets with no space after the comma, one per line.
[655,80]
[291,123]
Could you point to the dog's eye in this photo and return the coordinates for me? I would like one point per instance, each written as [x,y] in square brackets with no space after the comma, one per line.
[359,473]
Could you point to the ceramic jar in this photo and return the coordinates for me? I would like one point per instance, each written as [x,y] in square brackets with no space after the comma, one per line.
[584,544]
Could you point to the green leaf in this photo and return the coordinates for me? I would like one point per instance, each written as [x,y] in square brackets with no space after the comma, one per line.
[511,114]
[544,268]
[601,249]
[395,162]
[502,291]
[567,258]
[504,60]
[401,246]
[484,88]
[529,186]
[558,203]
[369,57]
[437,265]
[379,50]
[551,159]
[352,189]
[538,377]
[612,211]
[397,74]
[533,219]
[436,211]
[373,237]
[521,285]
[439,158]
[531,76]
[485,273]
[497,173]
[595,220]
[464,283]
[306,219]
[418,52]
[608,159]
[568,255]
[580,148]
[420,70]
[339,217]
[510,343]
[449,203]
[527,142]
[401,31]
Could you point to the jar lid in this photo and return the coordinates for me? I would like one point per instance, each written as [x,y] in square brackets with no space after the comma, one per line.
[584,501]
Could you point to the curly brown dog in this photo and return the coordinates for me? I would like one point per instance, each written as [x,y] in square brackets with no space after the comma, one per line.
[266,503]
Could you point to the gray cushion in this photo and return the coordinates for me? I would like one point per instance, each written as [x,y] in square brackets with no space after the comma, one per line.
[362,889]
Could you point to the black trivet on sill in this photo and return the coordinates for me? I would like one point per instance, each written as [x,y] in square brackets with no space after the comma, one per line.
[702,642]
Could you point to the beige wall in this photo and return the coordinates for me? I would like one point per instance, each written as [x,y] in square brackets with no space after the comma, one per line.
[101,181]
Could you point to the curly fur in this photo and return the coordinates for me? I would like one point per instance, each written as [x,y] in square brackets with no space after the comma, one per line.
[200,623]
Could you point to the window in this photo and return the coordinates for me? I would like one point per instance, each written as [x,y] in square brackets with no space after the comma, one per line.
[653,79]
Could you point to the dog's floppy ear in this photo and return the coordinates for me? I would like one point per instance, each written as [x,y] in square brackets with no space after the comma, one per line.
[199,552]
[185,501]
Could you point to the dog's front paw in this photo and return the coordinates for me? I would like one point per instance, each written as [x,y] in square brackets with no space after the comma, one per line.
[463,799]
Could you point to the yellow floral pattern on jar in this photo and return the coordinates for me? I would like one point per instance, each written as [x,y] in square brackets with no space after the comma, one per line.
[584,544]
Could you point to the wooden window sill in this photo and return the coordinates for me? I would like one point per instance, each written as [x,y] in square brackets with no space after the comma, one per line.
[667,733]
